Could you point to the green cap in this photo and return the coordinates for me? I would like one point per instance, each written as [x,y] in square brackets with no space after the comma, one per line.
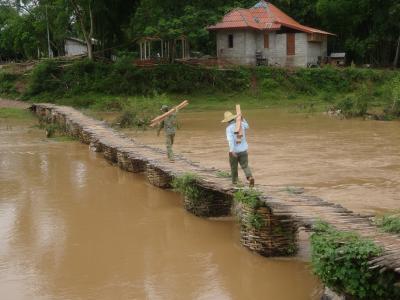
[164,108]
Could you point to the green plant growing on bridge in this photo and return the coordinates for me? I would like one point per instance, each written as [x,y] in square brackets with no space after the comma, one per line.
[55,131]
[249,197]
[252,199]
[341,260]
[389,223]
[187,185]
[223,174]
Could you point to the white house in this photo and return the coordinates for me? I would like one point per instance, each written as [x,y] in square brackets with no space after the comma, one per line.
[264,34]
[74,46]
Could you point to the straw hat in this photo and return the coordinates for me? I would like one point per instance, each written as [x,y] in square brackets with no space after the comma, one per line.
[228,116]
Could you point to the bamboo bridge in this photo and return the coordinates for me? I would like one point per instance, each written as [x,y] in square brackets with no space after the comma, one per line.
[286,210]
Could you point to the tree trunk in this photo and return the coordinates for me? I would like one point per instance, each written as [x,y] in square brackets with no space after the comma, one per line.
[87,32]
[89,46]
[396,58]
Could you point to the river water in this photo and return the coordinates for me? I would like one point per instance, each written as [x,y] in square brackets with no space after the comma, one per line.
[74,227]
[355,162]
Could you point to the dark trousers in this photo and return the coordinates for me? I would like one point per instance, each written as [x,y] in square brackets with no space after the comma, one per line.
[169,141]
[242,159]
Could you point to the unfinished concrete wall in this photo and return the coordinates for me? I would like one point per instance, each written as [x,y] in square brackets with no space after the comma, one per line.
[235,54]
[271,50]
[244,46]
[316,50]
[247,42]
[279,55]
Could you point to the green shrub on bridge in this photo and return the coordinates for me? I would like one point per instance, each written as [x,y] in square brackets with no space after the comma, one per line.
[341,260]
[251,199]
[186,185]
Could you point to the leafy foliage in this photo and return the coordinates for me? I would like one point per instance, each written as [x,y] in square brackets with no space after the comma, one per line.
[367,30]
[186,185]
[88,76]
[340,259]
[250,197]
[389,223]
[138,112]
[223,174]
[393,110]
[7,83]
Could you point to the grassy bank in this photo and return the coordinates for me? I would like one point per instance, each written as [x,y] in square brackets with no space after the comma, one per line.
[15,114]
[122,86]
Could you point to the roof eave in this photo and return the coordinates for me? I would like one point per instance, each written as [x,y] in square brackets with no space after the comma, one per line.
[307,30]
[213,28]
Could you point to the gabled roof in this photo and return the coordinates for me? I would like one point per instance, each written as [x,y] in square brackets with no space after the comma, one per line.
[262,16]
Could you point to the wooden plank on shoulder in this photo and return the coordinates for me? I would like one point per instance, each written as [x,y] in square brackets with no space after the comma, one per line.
[160,118]
[238,128]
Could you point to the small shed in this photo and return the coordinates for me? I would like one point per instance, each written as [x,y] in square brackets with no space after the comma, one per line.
[74,46]
[337,59]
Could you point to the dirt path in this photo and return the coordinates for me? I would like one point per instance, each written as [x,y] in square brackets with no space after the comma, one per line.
[7,103]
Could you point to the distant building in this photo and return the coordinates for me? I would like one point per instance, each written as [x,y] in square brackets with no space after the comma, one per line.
[337,59]
[74,46]
[264,34]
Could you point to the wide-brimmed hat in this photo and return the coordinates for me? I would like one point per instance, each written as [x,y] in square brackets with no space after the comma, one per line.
[228,116]
[164,108]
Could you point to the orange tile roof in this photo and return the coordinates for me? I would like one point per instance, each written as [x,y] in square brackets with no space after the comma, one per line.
[262,16]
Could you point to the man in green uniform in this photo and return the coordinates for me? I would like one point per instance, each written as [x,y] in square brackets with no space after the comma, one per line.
[169,125]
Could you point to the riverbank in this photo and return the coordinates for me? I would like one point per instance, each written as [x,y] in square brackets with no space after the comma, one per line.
[100,86]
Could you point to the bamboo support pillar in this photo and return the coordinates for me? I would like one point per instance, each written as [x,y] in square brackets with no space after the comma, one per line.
[265,233]
[208,203]
[158,177]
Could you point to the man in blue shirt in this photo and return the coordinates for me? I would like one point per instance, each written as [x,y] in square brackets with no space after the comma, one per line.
[237,148]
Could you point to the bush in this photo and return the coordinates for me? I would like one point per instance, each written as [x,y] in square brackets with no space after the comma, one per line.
[124,78]
[186,185]
[341,260]
[251,198]
[45,77]
[393,110]
[138,112]
[355,106]
[7,83]
[389,223]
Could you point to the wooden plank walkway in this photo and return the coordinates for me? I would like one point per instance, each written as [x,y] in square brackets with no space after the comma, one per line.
[303,209]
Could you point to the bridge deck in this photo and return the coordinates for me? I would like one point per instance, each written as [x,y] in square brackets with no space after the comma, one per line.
[304,209]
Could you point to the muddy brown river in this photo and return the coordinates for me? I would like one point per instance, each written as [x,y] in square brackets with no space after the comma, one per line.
[74,227]
[355,162]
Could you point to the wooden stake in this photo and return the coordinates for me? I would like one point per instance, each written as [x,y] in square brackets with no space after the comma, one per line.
[159,119]
[238,129]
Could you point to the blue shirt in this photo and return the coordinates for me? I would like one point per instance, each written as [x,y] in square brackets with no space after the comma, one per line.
[232,138]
